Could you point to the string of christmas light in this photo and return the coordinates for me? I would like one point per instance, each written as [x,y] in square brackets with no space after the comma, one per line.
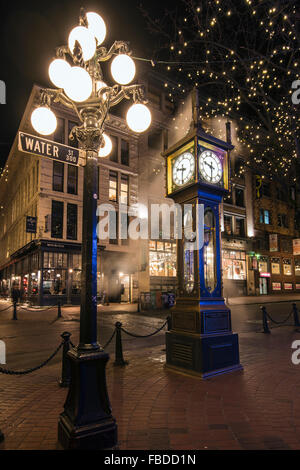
[243,55]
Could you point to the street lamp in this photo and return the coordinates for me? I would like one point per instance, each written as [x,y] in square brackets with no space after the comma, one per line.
[87,421]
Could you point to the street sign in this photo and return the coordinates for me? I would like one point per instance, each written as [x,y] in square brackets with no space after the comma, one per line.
[31,224]
[47,148]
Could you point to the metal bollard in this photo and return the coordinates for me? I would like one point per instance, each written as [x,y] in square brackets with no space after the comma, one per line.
[296,317]
[169,320]
[65,371]
[15,317]
[119,359]
[265,320]
[1,436]
[59,315]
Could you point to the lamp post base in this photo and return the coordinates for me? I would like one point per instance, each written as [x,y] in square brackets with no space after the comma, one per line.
[86,422]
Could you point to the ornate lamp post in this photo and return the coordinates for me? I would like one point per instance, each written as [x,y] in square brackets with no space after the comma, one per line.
[87,421]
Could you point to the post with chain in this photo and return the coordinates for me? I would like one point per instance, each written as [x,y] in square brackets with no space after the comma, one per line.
[296,316]
[1,436]
[119,359]
[66,370]
[15,317]
[265,320]
[59,309]
[169,320]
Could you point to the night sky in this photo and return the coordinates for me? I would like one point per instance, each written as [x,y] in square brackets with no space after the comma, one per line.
[30,32]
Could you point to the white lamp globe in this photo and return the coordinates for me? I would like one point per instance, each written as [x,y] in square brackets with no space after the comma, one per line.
[59,70]
[123,69]
[79,85]
[138,117]
[43,120]
[86,40]
[97,26]
[105,151]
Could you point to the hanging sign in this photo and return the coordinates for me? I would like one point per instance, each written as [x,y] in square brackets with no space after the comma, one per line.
[31,224]
[47,148]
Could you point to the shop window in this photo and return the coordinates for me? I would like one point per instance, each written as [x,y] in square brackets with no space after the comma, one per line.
[228,224]
[57,218]
[113,156]
[72,184]
[234,265]
[275,265]
[76,282]
[124,189]
[58,176]
[113,186]
[72,221]
[55,260]
[54,281]
[287,267]
[72,143]
[59,134]
[282,220]
[76,261]
[239,197]
[263,265]
[124,152]
[265,216]
[239,227]
[162,259]
[297,267]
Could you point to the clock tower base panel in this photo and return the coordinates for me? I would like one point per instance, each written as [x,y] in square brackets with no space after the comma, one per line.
[202,355]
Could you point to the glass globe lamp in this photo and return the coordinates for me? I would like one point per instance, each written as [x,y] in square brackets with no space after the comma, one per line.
[79,85]
[43,120]
[107,148]
[138,117]
[86,40]
[59,70]
[123,69]
[97,26]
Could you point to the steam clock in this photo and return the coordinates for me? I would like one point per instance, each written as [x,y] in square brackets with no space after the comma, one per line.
[201,340]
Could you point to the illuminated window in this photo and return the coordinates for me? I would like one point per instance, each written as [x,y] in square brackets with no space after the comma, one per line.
[113,186]
[124,189]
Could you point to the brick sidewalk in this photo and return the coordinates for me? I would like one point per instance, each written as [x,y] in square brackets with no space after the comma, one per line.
[258,408]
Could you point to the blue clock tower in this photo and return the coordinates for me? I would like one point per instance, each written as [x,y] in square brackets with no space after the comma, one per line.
[201,341]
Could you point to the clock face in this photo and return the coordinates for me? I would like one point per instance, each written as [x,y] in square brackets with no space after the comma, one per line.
[210,166]
[183,168]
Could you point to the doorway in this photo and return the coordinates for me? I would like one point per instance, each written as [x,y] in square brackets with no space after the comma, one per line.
[263,286]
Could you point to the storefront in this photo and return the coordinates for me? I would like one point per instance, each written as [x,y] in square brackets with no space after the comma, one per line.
[234,265]
[162,270]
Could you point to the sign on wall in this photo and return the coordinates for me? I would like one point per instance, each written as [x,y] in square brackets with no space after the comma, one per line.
[31,224]
[47,148]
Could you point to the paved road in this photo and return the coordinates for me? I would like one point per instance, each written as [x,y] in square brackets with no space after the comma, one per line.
[35,334]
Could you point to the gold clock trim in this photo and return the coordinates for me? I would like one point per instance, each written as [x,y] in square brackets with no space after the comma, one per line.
[189,146]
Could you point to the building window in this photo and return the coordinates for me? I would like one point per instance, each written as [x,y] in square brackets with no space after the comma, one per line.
[265,216]
[59,134]
[228,224]
[286,245]
[234,265]
[72,143]
[72,179]
[58,176]
[282,220]
[124,152]
[72,221]
[113,186]
[265,189]
[239,197]
[281,194]
[113,156]
[239,227]
[124,189]
[57,219]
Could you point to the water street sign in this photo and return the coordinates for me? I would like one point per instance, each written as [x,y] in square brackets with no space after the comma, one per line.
[31,224]
[47,148]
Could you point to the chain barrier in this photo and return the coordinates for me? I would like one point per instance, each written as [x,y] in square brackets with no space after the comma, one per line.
[145,336]
[266,316]
[110,340]
[33,369]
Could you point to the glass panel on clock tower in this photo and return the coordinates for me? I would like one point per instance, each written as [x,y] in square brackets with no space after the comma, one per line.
[209,251]
[188,268]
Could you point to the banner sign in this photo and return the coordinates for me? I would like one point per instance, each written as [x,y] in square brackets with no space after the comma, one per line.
[47,148]
[31,224]
[296,246]
[273,242]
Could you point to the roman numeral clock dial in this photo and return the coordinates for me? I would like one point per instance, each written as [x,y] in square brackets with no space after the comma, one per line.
[183,169]
[210,167]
